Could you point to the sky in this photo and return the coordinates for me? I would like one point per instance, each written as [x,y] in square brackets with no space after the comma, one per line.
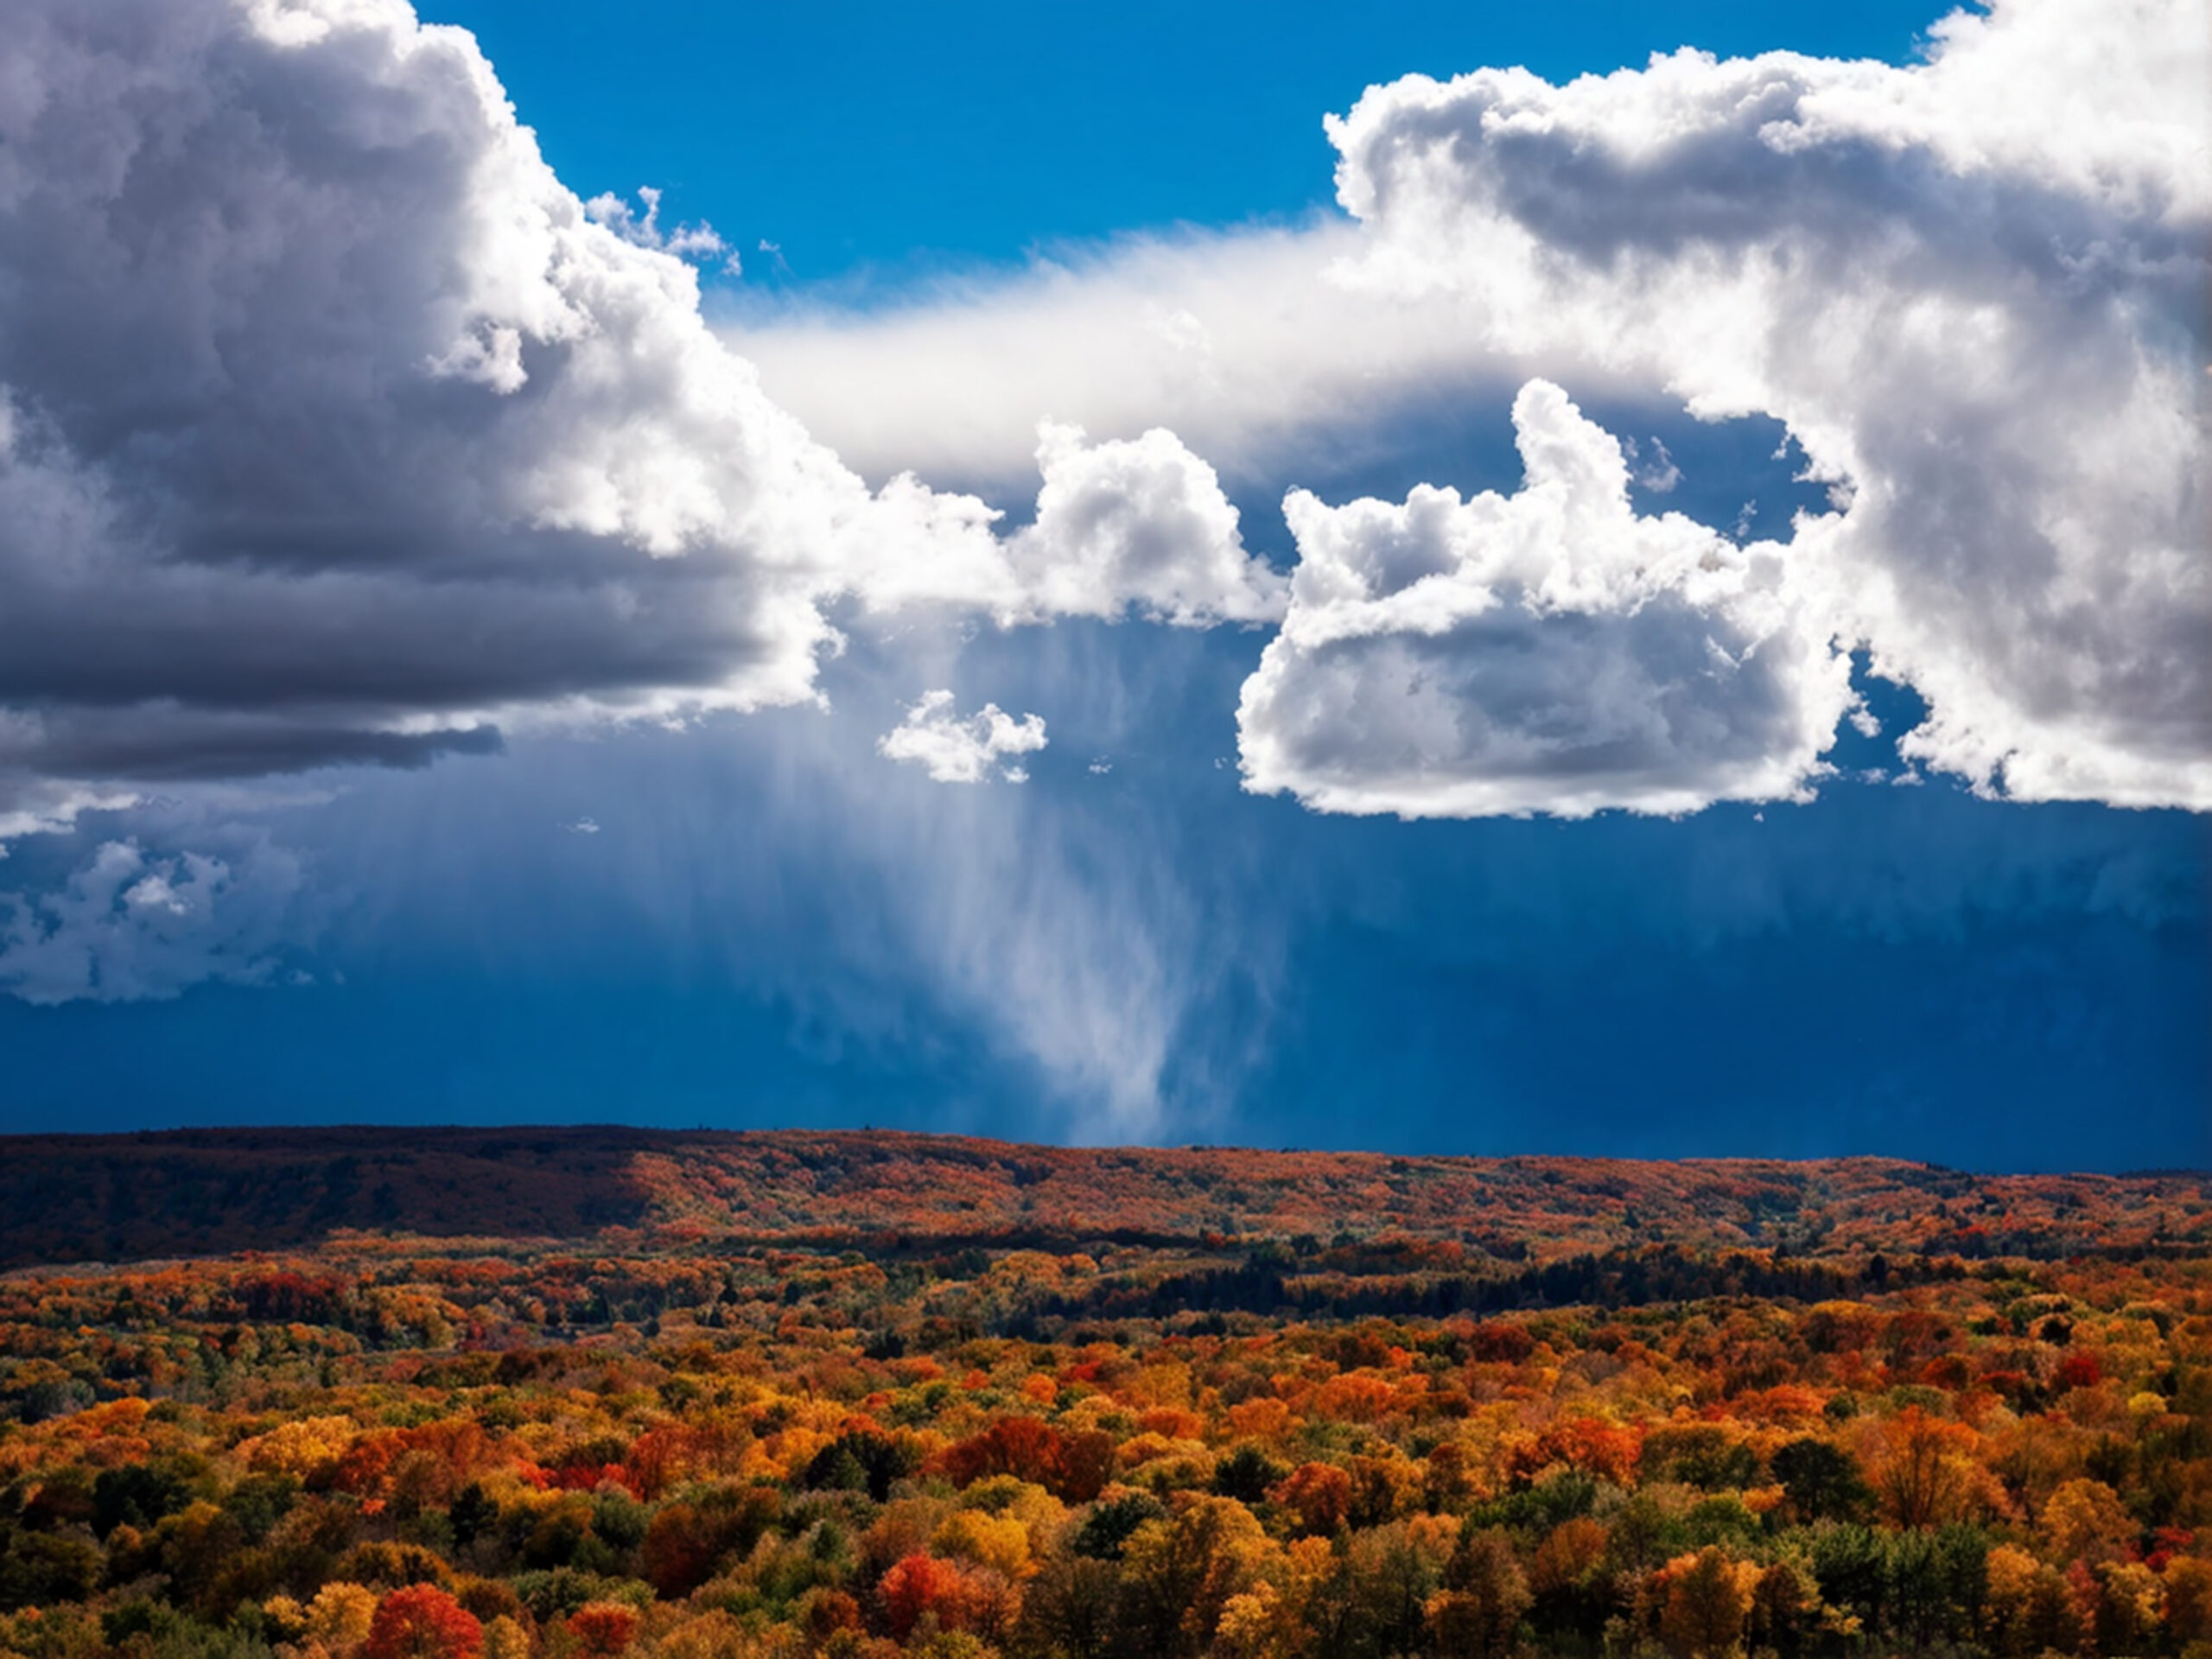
[1608,579]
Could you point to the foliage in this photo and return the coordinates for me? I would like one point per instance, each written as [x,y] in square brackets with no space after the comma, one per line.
[861,1397]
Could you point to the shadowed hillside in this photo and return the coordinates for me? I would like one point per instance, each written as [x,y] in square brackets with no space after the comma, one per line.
[200,1192]
[210,1191]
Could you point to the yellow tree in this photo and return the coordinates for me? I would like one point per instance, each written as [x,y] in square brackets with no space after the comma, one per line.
[1709,1597]
[2083,1521]
[1925,1472]
[1182,1571]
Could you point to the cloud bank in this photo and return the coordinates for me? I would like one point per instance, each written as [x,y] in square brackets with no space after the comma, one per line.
[1246,344]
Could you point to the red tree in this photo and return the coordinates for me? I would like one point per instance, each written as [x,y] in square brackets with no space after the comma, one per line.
[604,1627]
[1020,1447]
[1319,1494]
[422,1622]
[962,1599]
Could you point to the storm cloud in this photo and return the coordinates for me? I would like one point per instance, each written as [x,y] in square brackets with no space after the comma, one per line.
[334,429]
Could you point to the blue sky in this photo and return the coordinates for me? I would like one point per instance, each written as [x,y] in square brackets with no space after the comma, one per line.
[1787,739]
[891,138]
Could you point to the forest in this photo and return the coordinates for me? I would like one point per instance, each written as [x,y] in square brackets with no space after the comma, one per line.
[357,1395]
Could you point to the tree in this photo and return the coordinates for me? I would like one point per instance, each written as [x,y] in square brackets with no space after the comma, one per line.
[1938,1582]
[2188,1600]
[1319,1494]
[1246,1474]
[1179,1572]
[2028,1607]
[1704,1455]
[1820,1481]
[1783,1602]
[136,1495]
[2131,1601]
[1924,1477]
[422,1622]
[863,1462]
[956,1597]
[1709,1597]
[998,1541]
[684,1542]
[1485,1593]
[1071,1608]
[340,1617]
[1106,1528]
[1020,1447]
[2084,1521]
[1388,1576]
[40,1568]
[1571,1590]
[604,1628]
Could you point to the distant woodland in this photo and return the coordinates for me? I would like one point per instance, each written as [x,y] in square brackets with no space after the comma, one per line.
[359,1394]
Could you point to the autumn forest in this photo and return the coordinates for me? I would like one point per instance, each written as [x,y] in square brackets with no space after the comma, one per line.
[362,1393]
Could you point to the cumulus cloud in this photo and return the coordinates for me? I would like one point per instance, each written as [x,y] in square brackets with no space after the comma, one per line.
[1129,526]
[1974,290]
[954,750]
[1550,652]
[1140,524]
[130,926]
[334,429]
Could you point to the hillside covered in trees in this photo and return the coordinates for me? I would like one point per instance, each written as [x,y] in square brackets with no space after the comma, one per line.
[194,1192]
[358,1394]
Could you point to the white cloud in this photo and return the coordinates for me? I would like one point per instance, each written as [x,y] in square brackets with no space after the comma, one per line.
[1548,651]
[954,750]
[1659,475]
[1973,288]
[1127,526]
[332,428]
[1244,343]
[1140,524]
[129,925]
[643,230]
